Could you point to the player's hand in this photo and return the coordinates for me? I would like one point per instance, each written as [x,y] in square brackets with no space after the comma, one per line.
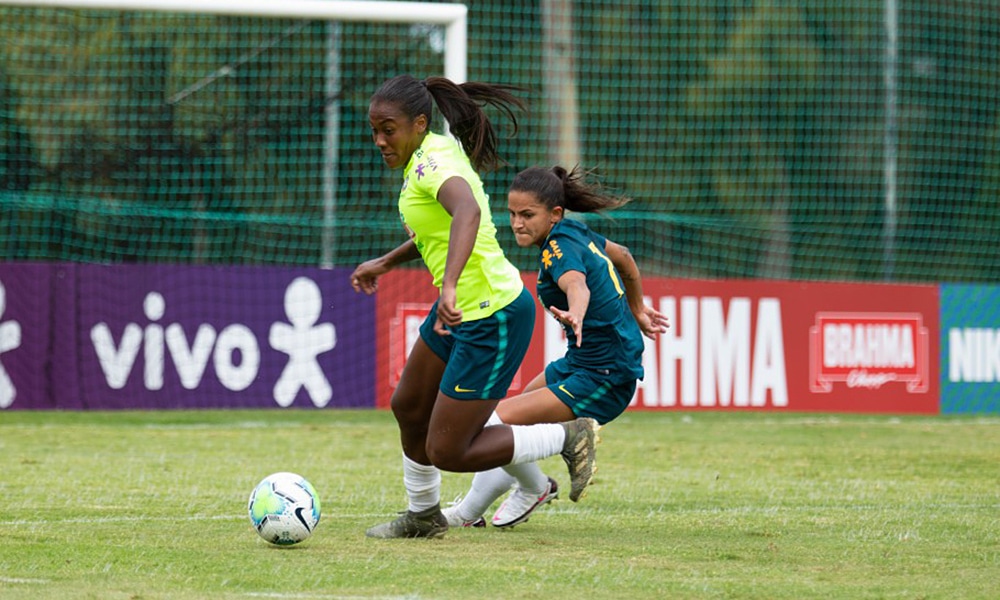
[439,327]
[570,320]
[651,322]
[365,276]
[447,312]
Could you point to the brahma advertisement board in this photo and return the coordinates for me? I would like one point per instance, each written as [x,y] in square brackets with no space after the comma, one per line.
[739,345]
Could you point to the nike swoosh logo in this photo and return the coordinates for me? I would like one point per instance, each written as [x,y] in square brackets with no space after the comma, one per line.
[462,390]
[563,388]
[299,512]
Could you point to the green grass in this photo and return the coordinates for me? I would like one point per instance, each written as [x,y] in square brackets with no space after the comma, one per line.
[699,505]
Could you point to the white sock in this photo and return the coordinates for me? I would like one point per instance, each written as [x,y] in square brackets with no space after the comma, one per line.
[535,442]
[528,475]
[487,486]
[423,485]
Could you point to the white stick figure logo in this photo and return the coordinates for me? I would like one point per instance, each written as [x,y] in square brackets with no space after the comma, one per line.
[10,338]
[303,341]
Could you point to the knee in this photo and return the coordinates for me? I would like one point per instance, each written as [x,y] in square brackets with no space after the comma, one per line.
[445,458]
[409,411]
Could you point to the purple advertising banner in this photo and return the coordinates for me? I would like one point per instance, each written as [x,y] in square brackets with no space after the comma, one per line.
[25,334]
[80,336]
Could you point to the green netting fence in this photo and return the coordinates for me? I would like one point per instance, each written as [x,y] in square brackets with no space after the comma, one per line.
[806,139]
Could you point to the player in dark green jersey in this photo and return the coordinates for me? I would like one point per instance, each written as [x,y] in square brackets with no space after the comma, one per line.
[477,333]
[593,287]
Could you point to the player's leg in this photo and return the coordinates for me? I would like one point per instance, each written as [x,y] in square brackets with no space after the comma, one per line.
[455,446]
[487,486]
[458,439]
[413,399]
[534,489]
[571,393]
[536,405]
[539,406]
[483,361]
[412,404]
[485,356]
[537,382]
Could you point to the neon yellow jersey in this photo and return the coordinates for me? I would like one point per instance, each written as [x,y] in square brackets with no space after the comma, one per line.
[489,281]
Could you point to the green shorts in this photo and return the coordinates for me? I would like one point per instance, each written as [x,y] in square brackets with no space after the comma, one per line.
[588,393]
[483,356]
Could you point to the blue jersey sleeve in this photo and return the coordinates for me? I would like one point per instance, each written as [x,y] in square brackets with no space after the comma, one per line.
[611,339]
[562,253]
[571,246]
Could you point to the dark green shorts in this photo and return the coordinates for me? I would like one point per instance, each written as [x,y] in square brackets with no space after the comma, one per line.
[601,396]
[482,356]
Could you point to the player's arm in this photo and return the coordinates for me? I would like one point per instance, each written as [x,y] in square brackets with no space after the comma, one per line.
[650,321]
[574,285]
[365,276]
[456,196]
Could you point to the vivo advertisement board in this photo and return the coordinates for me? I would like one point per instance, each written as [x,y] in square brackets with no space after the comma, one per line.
[77,336]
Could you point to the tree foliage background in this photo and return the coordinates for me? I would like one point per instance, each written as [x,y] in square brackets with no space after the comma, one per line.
[759,138]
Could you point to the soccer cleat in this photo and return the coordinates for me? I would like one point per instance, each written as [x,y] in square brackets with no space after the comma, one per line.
[454,520]
[430,523]
[579,452]
[518,507]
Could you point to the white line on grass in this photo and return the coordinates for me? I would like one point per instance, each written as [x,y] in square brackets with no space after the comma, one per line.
[22,580]
[833,419]
[123,519]
[133,519]
[181,426]
[753,509]
[777,510]
[327,596]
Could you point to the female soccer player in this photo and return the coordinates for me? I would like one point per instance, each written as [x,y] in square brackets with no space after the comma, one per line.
[593,287]
[478,330]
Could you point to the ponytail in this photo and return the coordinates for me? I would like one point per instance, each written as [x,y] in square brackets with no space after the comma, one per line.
[568,189]
[461,105]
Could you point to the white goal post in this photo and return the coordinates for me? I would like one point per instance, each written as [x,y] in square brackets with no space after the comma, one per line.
[454,18]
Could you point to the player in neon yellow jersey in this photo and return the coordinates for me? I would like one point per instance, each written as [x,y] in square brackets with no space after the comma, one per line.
[478,331]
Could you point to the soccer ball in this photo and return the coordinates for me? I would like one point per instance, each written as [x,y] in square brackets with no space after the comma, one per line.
[284,508]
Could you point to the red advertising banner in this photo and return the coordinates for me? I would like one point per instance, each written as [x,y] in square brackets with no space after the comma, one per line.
[796,346]
[404,298]
[739,345]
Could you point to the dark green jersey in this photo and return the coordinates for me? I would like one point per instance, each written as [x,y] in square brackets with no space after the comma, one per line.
[611,337]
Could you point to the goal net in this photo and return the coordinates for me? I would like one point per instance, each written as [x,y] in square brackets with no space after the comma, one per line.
[788,140]
[208,131]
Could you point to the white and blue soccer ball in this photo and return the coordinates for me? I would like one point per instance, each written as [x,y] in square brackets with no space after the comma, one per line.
[284,508]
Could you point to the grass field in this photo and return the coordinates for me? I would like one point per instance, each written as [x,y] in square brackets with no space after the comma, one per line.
[700,505]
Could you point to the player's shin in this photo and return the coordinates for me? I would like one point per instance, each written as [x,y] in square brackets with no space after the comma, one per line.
[423,485]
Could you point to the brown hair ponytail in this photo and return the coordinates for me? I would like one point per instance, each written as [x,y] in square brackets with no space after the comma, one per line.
[461,105]
[568,189]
